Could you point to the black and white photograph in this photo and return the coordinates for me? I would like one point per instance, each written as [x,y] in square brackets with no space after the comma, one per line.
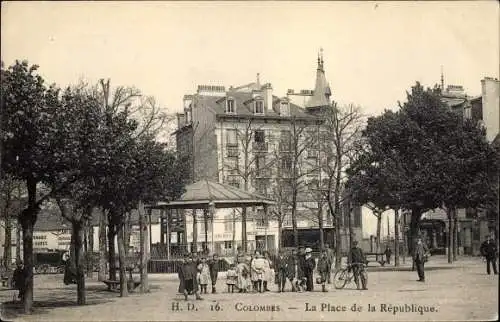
[249,160]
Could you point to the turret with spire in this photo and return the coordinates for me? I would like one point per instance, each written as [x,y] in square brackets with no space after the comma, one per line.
[322,92]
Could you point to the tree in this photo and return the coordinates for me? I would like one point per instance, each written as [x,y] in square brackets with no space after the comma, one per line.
[423,157]
[251,138]
[341,145]
[31,147]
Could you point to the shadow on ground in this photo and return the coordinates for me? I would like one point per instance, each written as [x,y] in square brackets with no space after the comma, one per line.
[63,298]
[405,269]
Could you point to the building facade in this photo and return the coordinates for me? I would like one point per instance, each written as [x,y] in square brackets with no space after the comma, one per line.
[251,138]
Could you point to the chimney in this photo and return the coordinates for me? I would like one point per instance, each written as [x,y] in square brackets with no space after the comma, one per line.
[180,120]
[211,90]
[268,96]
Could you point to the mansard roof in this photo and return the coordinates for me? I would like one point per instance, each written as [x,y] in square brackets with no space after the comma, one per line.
[244,108]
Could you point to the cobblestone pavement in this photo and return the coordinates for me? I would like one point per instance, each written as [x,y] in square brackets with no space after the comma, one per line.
[458,291]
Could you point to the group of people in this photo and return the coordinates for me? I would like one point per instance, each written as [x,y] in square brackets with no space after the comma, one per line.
[196,274]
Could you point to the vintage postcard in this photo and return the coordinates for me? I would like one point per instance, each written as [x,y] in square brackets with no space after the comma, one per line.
[249,161]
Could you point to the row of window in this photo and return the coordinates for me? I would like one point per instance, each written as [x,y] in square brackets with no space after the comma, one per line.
[39,244]
[258,107]
[39,237]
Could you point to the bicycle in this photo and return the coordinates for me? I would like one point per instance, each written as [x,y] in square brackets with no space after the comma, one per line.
[346,275]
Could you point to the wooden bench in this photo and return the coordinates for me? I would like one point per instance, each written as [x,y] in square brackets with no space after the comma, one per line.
[115,285]
[376,257]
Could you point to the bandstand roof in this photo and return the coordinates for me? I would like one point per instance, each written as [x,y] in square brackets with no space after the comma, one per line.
[201,194]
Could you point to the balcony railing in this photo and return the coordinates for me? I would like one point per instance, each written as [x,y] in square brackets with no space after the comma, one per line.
[260,146]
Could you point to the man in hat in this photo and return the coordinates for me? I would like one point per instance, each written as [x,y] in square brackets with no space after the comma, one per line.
[489,251]
[309,266]
[419,258]
[356,259]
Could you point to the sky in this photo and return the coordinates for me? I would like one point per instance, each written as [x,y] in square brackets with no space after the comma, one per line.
[373,52]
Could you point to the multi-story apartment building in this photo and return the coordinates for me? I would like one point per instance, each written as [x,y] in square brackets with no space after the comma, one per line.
[253,139]
[473,224]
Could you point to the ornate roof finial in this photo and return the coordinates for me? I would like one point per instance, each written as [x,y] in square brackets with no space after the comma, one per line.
[320,58]
[258,80]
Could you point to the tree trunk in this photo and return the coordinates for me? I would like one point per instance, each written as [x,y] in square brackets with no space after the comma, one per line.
[233,244]
[294,218]
[78,238]
[205,225]
[455,235]
[18,241]
[244,229]
[351,230]
[194,247]
[28,219]
[280,233]
[121,259]
[396,237]
[414,228]
[450,235]
[143,265]
[321,231]
[127,231]
[7,255]
[101,275]
[90,254]
[379,229]
[111,250]
[404,237]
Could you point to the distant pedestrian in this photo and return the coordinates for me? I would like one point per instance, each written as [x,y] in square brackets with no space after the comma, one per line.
[231,278]
[309,266]
[19,278]
[388,253]
[324,267]
[489,251]
[420,255]
[213,265]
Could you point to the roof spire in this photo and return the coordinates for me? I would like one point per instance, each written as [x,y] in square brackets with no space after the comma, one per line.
[320,59]
[258,80]
[442,79]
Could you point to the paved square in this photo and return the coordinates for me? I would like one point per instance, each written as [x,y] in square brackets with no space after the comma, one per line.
[458,291]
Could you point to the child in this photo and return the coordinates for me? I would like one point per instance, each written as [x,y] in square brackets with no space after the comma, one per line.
[214,271]
[242,273]
[203,275]
[323,268]
[258,270]
[231,278]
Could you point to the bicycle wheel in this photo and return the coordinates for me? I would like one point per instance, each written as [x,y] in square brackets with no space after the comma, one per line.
[340,279]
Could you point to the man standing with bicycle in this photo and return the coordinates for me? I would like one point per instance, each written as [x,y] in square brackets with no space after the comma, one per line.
[356,259]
